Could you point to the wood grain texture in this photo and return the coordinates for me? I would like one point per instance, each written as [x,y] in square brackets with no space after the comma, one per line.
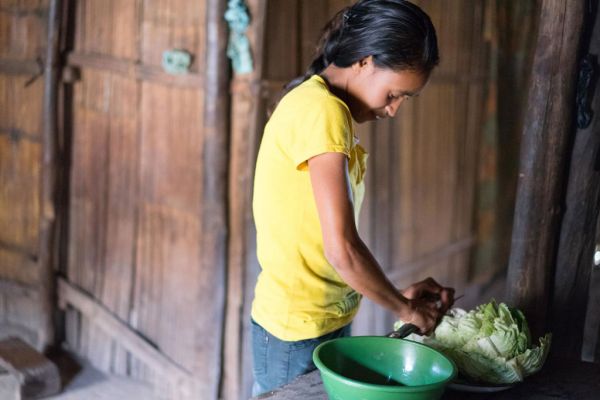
[562,380]
[574,285]
[19,199]
[100,317]
[245,136]
[24,32]
[147,226]
[176,24]
[23,263]
[543,162]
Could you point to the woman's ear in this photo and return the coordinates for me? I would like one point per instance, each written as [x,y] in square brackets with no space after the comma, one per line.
[364,64]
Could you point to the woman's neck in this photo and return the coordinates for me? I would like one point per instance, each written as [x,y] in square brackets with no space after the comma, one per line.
[337,81]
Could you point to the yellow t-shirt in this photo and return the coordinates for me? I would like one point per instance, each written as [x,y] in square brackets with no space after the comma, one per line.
[299,295]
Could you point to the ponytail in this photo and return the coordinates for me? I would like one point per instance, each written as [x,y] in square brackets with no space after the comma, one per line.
[326,48]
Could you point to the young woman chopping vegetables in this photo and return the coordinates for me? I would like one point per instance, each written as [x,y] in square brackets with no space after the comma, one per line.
[309,186]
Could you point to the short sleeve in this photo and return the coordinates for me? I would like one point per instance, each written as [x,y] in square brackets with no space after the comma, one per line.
[325,127]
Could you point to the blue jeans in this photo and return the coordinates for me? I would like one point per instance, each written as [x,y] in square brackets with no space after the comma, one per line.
[277,362]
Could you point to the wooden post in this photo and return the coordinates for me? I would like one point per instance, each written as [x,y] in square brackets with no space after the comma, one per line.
[215,177]
[578,232]
[543,160]
[245,105]
[48,175]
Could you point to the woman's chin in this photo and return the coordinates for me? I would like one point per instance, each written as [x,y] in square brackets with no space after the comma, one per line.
[359,119]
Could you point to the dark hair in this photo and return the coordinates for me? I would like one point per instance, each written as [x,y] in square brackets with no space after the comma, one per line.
[398,34]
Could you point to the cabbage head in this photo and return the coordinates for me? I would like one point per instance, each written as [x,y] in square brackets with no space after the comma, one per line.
[490,344]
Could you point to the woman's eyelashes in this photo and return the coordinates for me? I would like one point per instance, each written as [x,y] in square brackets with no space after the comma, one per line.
[403,96]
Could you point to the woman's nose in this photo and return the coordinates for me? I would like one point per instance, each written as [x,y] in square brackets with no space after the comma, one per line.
[392,108]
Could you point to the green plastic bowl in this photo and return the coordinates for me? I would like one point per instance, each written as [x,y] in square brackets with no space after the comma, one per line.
[382,368]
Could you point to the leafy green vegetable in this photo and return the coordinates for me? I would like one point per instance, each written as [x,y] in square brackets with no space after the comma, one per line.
[491,343]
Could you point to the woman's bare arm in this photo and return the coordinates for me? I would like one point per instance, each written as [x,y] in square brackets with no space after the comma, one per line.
[346,251]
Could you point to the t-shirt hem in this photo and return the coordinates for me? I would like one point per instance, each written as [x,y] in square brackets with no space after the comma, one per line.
[309,332]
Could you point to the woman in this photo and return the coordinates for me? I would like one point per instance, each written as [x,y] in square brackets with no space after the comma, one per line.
[309,187]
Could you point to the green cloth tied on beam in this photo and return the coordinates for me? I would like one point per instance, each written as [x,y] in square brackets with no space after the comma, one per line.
[238,48]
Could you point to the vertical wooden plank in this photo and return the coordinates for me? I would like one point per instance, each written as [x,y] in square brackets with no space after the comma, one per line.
[313,16]
[175,24]
[258,38]
[87,221]
[107,28]
[25,301]
[403,222]
[543,156]
[25,30]
[578,231]
[19,200]
[282,31]
[123,188]
[245,136]
[49,171]
[88,208]
[517,33]
[381,209]
[461,221]
[381,201]
[363,323]
[214,222]
[168,279]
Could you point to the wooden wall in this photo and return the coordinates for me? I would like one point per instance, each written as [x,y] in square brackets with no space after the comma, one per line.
[142,256]
[23,30]
[143,276]
[418,217]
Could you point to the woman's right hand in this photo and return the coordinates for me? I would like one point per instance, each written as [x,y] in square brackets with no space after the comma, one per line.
[422,313]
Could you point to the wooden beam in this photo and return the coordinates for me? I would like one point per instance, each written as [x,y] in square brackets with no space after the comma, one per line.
[20,67]
[543,160]
[139,347]
[133,70]
[17,289]
[215,160]
[48,176]
[578,232]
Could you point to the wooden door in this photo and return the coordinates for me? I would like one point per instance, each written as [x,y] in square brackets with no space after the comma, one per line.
[24,300]
[144,275]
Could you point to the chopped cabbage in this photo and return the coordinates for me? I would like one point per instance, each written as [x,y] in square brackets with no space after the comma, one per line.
[490,344]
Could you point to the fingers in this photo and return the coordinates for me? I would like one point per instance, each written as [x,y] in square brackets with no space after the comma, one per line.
[429,302]
[425,316]
[447,299]
[426,289]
